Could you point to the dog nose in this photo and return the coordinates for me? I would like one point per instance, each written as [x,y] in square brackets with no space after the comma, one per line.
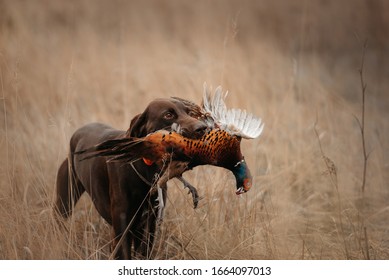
[193,128]
[199,130]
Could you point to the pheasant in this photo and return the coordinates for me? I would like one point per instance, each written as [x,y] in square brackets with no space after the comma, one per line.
[175,154]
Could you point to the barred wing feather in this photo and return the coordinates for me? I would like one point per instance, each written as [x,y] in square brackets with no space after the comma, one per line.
[235,121]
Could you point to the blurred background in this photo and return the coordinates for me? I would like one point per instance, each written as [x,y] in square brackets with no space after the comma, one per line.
[294,63]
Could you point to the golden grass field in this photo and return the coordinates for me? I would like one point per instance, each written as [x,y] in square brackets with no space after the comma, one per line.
[294,63]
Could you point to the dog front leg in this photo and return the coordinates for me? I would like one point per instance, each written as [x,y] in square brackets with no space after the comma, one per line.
[122,237]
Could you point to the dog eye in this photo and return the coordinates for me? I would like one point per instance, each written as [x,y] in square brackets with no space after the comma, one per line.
[169,116]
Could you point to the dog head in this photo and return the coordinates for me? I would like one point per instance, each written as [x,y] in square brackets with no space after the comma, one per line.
[162,113]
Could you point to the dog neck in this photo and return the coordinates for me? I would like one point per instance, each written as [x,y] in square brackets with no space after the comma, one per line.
[147,182]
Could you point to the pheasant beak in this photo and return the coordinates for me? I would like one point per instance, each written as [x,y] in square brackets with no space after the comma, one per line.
[240,191]
[247,183]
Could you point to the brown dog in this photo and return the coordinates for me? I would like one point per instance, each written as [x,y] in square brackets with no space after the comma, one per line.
[120,192]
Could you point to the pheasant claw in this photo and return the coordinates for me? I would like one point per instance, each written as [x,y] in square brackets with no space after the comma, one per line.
[192,190]
[160,206]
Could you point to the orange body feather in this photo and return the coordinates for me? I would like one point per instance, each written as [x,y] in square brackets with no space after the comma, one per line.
[216,147]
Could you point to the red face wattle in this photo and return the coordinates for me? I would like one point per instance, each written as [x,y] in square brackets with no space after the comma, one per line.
[247,183]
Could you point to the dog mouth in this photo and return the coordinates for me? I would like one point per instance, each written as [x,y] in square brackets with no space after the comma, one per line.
[197,134]
[189,133]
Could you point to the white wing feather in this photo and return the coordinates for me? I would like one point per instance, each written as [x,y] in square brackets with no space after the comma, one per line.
[235,121]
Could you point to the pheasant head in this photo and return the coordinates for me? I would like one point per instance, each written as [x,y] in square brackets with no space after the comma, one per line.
[243,177]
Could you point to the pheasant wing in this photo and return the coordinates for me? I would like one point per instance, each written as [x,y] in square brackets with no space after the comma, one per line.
[235,121]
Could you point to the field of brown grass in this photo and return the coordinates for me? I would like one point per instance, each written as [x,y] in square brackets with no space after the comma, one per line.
[293,63]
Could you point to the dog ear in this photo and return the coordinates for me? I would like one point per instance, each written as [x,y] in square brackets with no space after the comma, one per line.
[137,126]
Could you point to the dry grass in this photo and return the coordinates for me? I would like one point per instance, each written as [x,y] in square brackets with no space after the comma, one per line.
[67,63]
